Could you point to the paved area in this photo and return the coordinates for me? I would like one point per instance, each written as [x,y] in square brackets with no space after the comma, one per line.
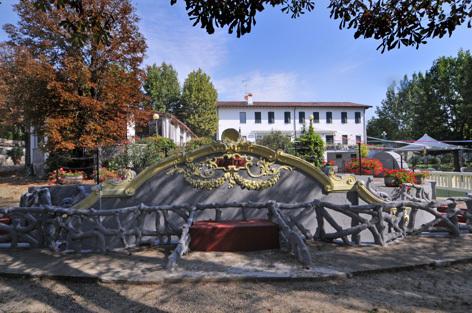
[329,261]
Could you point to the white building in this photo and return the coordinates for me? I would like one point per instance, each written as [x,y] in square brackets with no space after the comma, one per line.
[169,126]
[340,124]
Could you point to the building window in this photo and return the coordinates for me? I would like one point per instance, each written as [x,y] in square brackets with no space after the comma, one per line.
[329,117]
[358,139]
[257,117]
[301,117]
[344,117]
[358,117]
[316,117]
[339,156]
[287,117]
[353,155]
[242,117]
[271,117]
[329,139]
[344,139]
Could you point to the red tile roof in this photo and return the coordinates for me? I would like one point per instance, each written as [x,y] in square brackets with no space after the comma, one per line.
[258,104]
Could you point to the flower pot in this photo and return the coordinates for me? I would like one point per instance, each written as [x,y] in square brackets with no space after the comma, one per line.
[71,180]
[419,180]
[391,181]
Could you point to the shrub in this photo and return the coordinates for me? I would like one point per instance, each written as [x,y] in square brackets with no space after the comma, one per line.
[15,154]
[368,167]
[310,147]
[276,140]
[196,143]
[140,155]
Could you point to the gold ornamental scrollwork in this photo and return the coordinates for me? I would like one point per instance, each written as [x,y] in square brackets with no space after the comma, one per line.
[215,172]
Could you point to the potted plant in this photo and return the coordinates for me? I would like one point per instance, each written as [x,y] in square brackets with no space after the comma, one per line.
[65,177]
[15,154]
[394,178]
[420,177]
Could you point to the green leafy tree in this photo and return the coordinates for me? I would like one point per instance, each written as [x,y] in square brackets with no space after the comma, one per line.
[198,102]
[310,147]
[437,102]
[394,23]
[162,86]
[276,140]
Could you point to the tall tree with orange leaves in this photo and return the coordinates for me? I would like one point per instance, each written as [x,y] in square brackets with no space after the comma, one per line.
[78,93]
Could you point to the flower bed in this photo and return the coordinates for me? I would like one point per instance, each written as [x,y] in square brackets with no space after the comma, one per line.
[368,167]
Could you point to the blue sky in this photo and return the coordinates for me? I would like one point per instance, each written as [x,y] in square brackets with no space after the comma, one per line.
[307,59]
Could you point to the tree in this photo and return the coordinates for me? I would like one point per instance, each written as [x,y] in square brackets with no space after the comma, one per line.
[198,109]
[310,147]
[438,102]
[393,22]
[276,140]
[162,86]
[80,94]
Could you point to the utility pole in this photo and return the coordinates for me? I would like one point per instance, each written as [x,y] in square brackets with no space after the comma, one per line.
[359,144]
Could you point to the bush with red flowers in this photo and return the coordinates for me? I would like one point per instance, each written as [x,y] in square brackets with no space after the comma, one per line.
[368,167]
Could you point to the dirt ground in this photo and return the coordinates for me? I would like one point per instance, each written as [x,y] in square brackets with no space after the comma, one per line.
[13,184]
[445,289]
[426,290]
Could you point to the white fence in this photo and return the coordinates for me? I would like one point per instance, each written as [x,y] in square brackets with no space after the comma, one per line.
[458,181]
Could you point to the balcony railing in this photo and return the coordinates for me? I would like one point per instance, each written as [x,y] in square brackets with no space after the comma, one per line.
[340,147]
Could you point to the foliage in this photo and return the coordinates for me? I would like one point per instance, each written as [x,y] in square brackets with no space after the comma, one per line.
[401,176]
[79,93]
[310,147]
[364,150]
[393,22]
[422,174]
[162,86]
[12,132]
[107,174]
[436,102]
[196,143]
[369,166]
[141,155]
[198,109]
[15,154]
[83,21]
[277,140]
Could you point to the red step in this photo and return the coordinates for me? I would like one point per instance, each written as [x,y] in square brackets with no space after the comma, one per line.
[4,220]
[250,235]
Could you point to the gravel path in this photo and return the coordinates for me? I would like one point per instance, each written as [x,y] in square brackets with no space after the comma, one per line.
[446,289]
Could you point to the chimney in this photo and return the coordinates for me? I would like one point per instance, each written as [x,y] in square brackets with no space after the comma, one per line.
[248,98]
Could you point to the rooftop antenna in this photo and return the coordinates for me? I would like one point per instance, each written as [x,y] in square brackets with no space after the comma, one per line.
[244,81]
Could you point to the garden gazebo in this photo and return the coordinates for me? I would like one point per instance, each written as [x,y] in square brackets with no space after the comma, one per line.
[428,144]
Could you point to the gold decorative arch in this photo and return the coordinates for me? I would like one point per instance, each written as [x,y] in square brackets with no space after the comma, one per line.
[331,182]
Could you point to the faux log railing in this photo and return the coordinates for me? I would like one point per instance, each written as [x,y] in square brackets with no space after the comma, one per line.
[69,230]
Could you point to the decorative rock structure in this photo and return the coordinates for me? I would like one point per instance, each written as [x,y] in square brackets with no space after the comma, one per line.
[232,180]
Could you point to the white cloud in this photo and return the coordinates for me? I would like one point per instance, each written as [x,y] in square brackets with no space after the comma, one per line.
[278,86]
[172,39]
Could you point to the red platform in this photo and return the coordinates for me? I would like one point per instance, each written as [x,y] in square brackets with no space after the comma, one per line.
[4,220]
[250,235]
